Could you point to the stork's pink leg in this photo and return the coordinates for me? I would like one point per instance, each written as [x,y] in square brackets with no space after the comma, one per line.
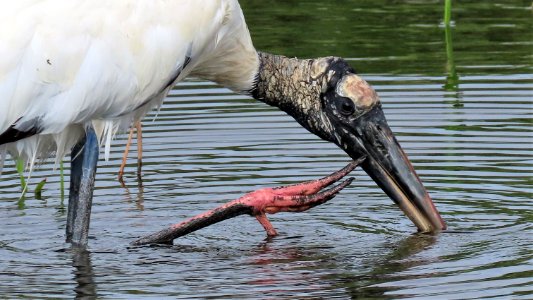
[125,156]
[127,150]
[139,146]
[263,220]
[293,198]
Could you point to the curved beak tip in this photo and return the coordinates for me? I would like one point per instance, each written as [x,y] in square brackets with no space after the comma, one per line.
[390,168]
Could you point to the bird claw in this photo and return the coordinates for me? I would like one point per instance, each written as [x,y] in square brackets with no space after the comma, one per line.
[293,198]
[292,203]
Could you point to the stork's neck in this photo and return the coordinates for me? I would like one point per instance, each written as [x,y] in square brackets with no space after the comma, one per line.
[291,84]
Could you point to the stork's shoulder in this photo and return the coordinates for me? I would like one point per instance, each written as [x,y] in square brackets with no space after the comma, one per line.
[231,59]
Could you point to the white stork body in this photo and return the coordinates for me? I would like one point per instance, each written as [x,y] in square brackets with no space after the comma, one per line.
[65,65]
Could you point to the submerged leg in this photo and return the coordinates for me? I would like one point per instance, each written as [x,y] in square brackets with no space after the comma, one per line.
[293,198]
[125,156]
[139,147]
[84,158]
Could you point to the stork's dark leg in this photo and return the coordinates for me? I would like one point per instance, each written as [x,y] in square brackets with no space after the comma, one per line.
[82,173]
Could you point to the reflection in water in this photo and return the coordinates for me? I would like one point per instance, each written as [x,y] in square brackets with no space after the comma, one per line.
[139,197]
[279,267]
[83,274]
[452,79]
[272,279]
[402,256]
[398,259]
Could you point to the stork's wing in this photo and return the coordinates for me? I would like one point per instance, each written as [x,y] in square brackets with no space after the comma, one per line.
[73,63]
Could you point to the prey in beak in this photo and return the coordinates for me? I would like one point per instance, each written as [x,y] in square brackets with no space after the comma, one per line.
[359,127]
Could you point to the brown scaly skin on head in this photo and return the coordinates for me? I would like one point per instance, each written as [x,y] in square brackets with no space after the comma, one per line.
[293,85]
[327,98]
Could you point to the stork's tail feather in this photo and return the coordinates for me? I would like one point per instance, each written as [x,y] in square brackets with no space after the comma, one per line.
[13,134]
[33,144]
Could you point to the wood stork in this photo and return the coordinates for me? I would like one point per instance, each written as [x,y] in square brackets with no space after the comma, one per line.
[72,73]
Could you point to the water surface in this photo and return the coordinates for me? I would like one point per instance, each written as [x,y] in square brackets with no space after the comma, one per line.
[460,104]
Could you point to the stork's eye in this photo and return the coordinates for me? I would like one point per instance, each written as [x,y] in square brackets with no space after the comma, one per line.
[345,106]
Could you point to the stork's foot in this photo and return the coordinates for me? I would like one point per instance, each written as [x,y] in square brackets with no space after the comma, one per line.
[293,198]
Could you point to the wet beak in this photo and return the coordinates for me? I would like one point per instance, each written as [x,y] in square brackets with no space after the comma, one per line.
[390,168]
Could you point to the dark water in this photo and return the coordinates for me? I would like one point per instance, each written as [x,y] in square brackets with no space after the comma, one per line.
[460,104]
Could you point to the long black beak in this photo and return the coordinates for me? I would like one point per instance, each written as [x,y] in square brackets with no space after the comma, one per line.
[390,168]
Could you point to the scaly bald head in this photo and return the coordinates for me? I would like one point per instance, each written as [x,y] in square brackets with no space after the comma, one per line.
[314,90]
[327,98]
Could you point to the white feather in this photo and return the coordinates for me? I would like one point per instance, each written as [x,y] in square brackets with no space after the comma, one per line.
[100,63]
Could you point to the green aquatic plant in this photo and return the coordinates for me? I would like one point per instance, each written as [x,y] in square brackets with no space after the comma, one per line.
[20,170]
[23,184]
[452,79]
[447,12]
[39,188]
